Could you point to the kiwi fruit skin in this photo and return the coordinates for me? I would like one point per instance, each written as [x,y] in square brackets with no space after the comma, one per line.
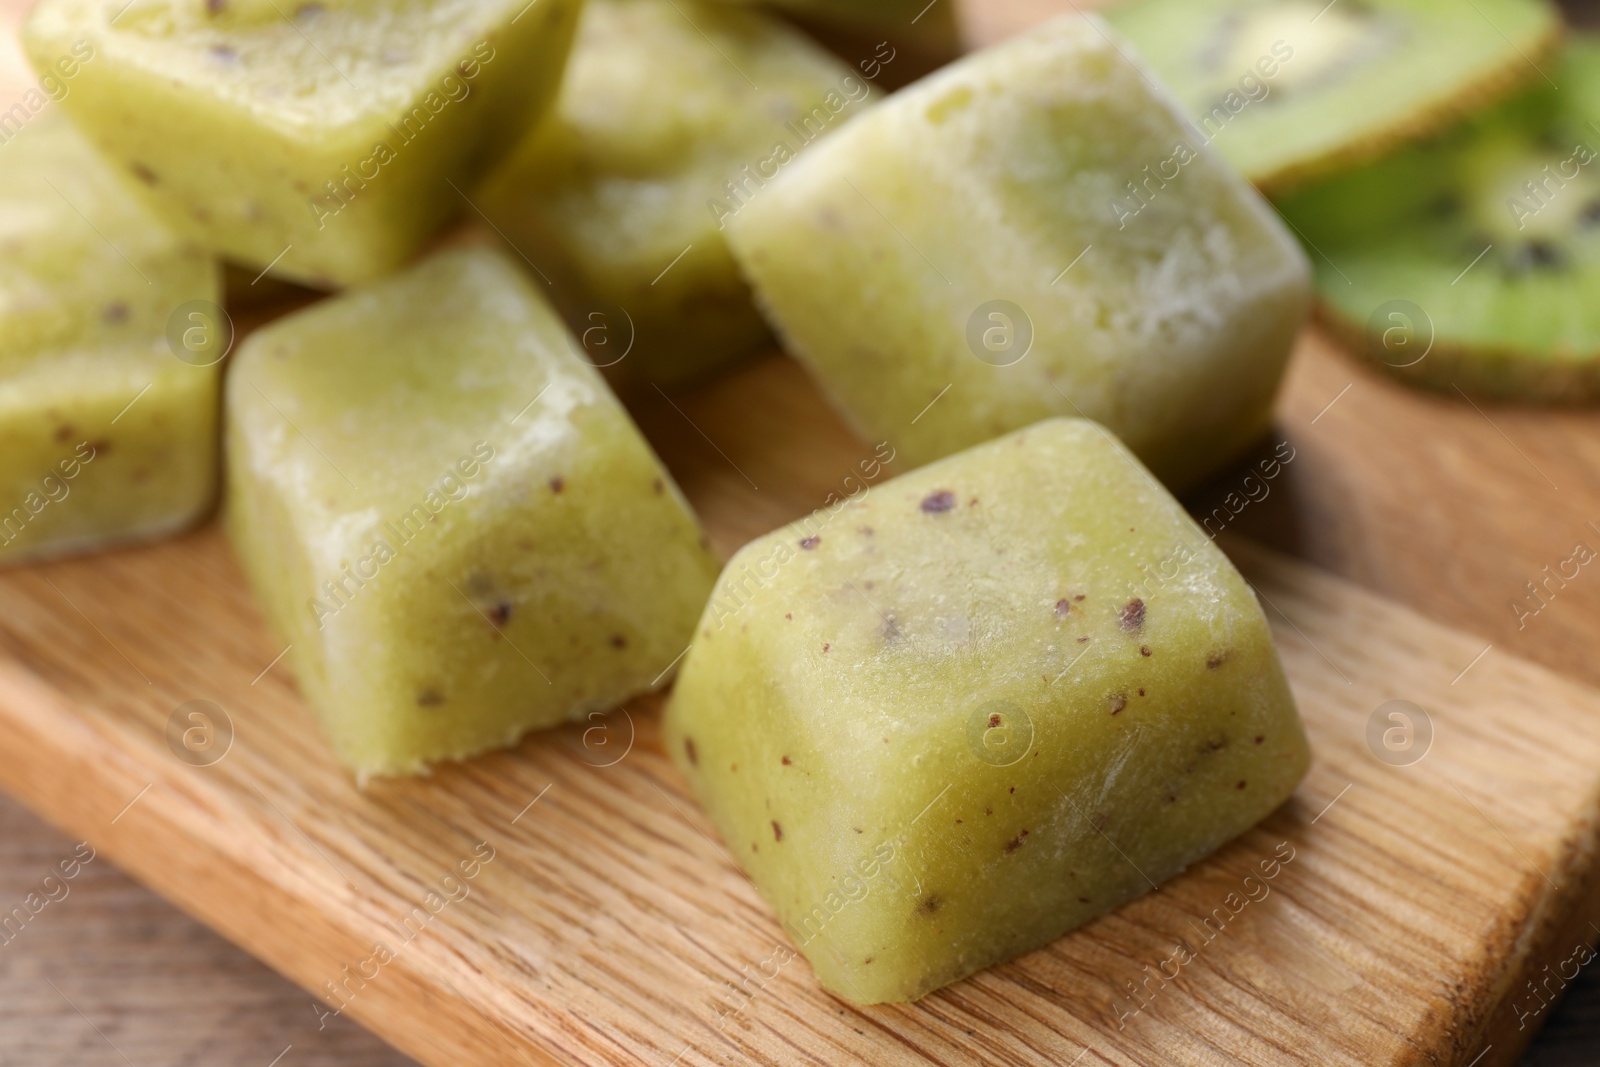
[1522,323]
[1498,374]
[1167,31]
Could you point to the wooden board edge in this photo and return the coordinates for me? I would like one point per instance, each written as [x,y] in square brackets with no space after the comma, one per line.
[274,927]
[1565,905]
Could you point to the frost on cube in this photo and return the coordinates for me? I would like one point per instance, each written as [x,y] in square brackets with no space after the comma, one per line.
[979,708]
[322,138]
[1028,233]
[451,519]
[106,435]
[622,195]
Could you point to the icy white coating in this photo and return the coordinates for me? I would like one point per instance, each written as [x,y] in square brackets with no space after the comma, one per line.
[1049,173]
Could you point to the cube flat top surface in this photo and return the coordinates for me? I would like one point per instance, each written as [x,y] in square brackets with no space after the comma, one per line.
[610,926]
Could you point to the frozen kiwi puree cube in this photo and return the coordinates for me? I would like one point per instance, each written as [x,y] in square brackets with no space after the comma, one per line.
[1024,234]
[668,106]
[327,139]
[450,519]
[978,706]
[107,431]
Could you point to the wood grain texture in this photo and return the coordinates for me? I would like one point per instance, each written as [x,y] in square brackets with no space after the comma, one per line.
[150,983]
[610,926]
[1417,902]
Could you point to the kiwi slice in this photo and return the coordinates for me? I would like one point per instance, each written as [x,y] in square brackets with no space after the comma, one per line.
[1473,261]
[1291,90]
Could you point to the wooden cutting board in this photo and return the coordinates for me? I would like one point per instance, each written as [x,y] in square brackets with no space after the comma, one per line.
[611,927]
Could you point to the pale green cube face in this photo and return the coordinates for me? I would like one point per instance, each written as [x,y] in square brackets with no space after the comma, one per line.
[451,519]
[665,103]
[979,705]
[327,139]
[105,435]
[1025,234]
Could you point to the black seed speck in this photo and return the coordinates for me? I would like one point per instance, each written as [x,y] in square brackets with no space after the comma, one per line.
[1144,650]
[777,831]
[930,904]
[557,484]
[1133,616]
[1260,738]
[1083,900]
[689,751]
[868,960]
[1536,255]
[826,647]
[994,721]
[938,503]
[808,543]
[1141,692]
[1239,786]
[618,641]
[500,614]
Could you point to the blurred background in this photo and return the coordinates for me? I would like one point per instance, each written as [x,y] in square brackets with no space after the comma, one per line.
[119,978]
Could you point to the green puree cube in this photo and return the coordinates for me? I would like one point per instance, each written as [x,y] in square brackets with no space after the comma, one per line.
[105,436]
[962,261]
[451,519]
[327,133]
[976,706]
[666,103]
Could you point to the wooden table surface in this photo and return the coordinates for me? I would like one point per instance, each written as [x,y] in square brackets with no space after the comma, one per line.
[115,976]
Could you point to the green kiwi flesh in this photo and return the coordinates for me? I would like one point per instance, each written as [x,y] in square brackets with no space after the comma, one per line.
[1473,262]
[1292,90]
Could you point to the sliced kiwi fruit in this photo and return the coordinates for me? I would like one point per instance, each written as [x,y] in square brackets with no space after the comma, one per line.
[1472,262]
[1292,90]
